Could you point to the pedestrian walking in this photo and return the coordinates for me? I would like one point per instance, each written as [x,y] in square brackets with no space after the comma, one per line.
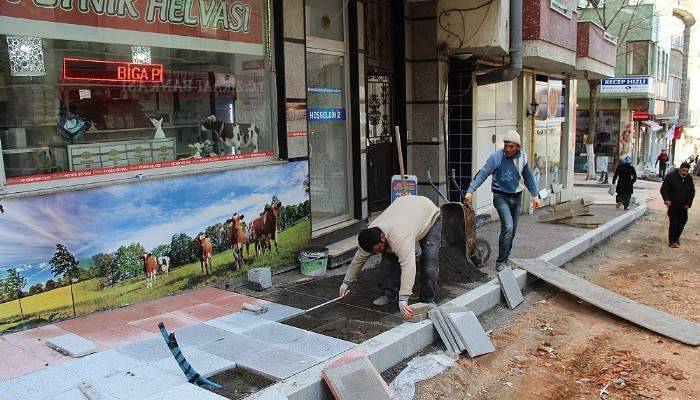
[662,159]
[409,219]
[678,192]
[626,176]
[511,174]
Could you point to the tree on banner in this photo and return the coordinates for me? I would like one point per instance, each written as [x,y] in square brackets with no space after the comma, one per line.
[64,263]
[12,287]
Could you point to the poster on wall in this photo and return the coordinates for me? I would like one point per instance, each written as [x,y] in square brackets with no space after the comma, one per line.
[297,139]
[548,129]
[99,237]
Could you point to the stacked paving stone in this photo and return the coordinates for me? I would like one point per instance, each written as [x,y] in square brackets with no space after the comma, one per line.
[460,330]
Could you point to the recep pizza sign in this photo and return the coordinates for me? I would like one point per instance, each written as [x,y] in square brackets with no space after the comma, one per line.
[230,20]
[637,85]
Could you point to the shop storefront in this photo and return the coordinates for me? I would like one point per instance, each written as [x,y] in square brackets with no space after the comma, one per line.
[127,131]
[549,127]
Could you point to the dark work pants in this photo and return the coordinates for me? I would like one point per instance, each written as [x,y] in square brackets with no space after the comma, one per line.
[662,170]
[428,266]
[677,217]
[509,207]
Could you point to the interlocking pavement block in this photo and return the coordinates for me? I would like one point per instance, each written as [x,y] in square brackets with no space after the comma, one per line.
[509,287]
[320,346]
[99,365]
[277,312]
[277,363]
[204,363]
[40,385]
[356,379]
[236,347]
[186,391]
[420,311]
[472,334]
[138,383]
[72,345]
[152,349]
[276,333]
[238,322]
[199,335]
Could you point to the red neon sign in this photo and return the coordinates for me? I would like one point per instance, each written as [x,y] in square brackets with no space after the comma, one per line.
[111,71]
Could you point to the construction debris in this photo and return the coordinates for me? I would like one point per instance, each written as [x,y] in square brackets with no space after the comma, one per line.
[257,309]
[460,330]
[353,377]
[576,213]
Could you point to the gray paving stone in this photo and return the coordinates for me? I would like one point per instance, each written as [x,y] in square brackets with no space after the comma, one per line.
[199,335]
[278,312]
[40,385]
[140,383]
[72,345]
[276,333]
[235,347]
[238,322]
[186,391]
[445,333]
[260,278]
[356,379]
[99,365]
[148,350]
[204,363]
[453,331]
[509,287]
[76,394]
[471,333]
[319,346]
[277,363]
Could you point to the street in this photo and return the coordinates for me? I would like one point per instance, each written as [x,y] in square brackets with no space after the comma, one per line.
[560,348]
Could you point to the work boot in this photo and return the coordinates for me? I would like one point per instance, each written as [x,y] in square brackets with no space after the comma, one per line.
[500,266]
[384,300]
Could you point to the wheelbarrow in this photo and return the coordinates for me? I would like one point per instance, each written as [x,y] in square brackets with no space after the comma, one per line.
[459,227]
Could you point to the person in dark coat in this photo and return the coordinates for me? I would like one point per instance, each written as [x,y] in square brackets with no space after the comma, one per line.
[678,192]
[625,175]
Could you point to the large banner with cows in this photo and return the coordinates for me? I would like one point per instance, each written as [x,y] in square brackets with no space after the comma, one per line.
[105,247]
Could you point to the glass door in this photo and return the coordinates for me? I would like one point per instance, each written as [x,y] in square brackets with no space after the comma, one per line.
[329,165]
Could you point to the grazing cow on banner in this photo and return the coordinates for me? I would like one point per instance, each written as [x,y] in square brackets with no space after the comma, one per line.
[236,238]
[150,265]
[265,226]
[164,263]
[250,239]
[204,252]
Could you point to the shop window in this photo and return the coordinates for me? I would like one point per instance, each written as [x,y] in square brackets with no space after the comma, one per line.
[549,120]
[564,7]
[77,107]
[324,19]
[638,58]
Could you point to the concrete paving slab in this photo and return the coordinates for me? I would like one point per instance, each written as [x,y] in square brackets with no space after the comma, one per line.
[204,363]
[186,391]
[72,345]
[149,350]
[472,334]
[172,321]
[320,346]
[22,362]
[509,287]
[236,347]
[277,363]
[199,335]
[442,332]
[40,385]
[90,369]
[76,394]
[444,325]
[276,333]
[238,322]
[139,383]
[278,312]
[461,346]
[356,379]
[202,312]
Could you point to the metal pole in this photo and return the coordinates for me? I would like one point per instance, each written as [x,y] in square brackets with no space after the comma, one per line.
[398,148]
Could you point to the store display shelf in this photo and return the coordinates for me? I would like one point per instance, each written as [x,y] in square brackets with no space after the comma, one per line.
[24,150]
[139,129]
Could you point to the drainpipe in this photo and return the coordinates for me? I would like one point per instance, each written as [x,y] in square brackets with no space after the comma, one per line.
[511,71]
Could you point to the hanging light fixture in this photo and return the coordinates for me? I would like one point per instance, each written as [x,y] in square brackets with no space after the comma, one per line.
[140,54]
[26,56]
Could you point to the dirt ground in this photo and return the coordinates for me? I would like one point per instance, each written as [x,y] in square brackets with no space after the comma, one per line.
[561,348]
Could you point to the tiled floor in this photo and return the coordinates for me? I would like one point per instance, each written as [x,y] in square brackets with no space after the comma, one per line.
[26,352]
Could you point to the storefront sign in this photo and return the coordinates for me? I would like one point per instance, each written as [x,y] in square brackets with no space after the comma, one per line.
[111,71]
[640,116]
[297,143]
[397,186]
[326,114]
[627,85]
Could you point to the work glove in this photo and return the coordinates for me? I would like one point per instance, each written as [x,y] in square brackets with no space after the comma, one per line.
[468,198]
[405,309]
[344,290]
[536,203]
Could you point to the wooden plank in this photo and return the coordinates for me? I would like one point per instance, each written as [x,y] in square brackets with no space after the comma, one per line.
[640,314]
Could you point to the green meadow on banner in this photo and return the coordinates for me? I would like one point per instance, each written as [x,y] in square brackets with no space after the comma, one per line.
[81,251]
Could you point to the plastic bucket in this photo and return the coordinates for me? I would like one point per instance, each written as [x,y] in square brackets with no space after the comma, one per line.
[314,260]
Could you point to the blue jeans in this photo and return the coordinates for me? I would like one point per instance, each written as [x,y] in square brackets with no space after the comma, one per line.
[509,207]
[428,266]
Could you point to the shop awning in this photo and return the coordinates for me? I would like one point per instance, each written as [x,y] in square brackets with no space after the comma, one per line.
[653,125]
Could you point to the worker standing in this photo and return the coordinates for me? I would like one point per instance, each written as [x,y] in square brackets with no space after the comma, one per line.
[678,192]
[509,169]
[409,219]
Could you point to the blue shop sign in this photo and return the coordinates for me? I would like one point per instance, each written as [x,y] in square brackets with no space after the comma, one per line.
[326,114]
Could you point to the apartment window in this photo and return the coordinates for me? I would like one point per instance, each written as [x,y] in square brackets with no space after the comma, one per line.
[674,89]
[638,58]
[564,7]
